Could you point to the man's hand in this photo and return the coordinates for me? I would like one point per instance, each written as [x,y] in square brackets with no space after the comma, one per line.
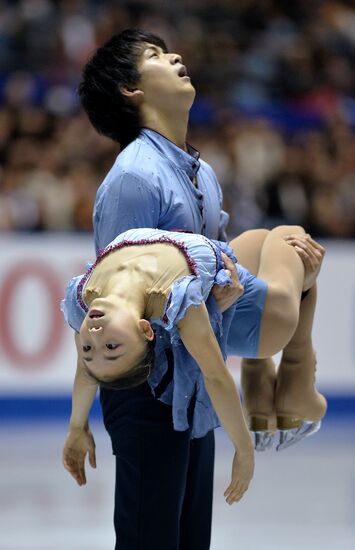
[227,295]
[78,443]
[311,253]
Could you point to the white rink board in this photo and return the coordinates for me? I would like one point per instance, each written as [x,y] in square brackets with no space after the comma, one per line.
[34,321]
[37,353]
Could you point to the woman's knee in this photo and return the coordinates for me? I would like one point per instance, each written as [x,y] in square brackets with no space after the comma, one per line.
[247,248]
[260,233]
[250,237]
[284,230]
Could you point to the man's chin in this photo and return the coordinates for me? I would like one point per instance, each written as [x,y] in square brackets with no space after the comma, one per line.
[190,95]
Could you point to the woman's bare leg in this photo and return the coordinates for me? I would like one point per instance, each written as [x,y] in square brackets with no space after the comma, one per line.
[283,270]
[299,406]
[296,398]
[278,264]
[258,376]
[247,248]
[267,255]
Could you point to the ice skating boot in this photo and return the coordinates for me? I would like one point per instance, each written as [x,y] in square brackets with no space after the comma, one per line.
[299,406]
[258,386]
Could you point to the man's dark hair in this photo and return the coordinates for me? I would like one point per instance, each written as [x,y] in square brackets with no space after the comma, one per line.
[112,66]
[136,376]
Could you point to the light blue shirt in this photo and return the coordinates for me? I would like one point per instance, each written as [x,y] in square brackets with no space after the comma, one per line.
[150,185]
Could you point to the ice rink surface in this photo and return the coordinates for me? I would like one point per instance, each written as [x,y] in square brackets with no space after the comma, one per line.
[301,499]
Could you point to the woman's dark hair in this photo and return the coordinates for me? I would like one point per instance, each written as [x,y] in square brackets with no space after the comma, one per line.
[112,66]
[136,376]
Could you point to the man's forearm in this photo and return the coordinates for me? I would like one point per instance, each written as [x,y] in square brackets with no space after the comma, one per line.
[84,392]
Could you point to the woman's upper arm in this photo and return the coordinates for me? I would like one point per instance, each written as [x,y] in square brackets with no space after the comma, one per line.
[195,316]
[200,341]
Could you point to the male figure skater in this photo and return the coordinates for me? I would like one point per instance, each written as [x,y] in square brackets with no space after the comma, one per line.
[137,93]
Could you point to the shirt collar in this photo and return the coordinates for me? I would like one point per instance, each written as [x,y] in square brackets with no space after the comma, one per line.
[187,161]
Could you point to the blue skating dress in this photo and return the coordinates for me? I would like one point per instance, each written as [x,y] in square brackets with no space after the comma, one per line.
[203,257]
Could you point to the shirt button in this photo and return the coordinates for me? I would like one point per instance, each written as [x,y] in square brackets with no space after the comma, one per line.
[194,165]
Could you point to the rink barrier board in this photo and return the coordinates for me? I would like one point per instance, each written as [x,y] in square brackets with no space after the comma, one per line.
[24,408]
[37,351]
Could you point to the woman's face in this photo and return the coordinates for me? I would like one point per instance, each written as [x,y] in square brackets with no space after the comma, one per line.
[111,340]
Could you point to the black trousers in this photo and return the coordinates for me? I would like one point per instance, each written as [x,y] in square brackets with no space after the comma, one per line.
[164,479]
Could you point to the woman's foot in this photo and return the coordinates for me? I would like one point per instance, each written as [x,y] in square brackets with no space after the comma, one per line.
[258,386]
[299,406]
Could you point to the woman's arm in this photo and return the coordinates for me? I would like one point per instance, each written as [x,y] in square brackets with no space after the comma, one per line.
[198,337]
[79,441]
[84,392]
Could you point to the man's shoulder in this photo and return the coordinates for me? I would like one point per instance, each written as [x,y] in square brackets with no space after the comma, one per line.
[139,159]
[135,168]
[136,164]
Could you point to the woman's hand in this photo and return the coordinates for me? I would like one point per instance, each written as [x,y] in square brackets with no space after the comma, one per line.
[242,473]
[227,295]
[78,443]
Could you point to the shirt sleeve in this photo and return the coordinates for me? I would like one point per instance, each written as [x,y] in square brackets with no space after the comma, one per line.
[71,309]
[223,222]
[128,201]
[223,217]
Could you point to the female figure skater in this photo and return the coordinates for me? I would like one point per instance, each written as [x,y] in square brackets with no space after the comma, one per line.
[151,276]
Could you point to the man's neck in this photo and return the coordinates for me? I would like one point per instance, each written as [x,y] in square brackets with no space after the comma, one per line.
[170,126]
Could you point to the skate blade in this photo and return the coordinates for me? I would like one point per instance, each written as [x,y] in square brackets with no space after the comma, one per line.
[293,436]
[263,440]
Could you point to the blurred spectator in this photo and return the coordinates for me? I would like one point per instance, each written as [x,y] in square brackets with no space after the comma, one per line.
[274,114]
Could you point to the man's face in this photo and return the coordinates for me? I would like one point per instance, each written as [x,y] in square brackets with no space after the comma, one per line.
[164,80]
